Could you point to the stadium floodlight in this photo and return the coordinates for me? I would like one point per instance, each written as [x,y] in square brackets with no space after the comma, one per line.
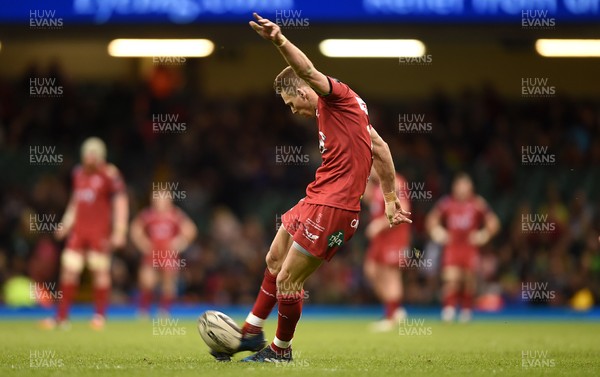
[196,48]
[372,48]
[568,48]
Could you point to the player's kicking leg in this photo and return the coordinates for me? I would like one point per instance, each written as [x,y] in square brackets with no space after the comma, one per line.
[297,267]
[99,265]
[253,338]
[451,276]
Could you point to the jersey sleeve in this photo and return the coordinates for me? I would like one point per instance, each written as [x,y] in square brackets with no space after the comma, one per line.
[144,217]
[442,206]
[339,91]
[180,216]
[483,207]
[116,182]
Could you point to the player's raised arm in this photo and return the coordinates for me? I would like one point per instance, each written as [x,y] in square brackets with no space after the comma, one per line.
[384,167]
[292,54]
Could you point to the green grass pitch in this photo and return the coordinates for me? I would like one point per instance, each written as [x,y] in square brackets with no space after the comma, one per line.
[321,348]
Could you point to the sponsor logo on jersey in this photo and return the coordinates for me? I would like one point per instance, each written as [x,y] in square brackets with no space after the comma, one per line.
[96,181]
[322,138]
[311,237]
[362,105]
[336,239]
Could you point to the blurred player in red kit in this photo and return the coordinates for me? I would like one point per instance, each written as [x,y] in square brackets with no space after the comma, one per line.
[95,222]
[385,253]
[327,217]
[161,232]
[462,222]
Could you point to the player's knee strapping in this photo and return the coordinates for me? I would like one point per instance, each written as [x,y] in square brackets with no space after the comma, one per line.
[98,261]
[72,260]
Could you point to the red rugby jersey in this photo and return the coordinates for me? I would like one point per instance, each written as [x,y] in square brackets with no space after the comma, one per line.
[346,149]
[461,218]
[93,192]
[162,227]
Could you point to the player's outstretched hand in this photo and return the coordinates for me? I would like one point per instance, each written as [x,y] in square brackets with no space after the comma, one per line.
[395,214]
[265,28]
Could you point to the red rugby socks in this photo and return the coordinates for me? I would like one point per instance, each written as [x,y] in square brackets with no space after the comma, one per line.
[264,304]
[390,308]
[101,297]
[451,299]
[145,300]
[290,310]
[467,300]
[68,291]
[166,300]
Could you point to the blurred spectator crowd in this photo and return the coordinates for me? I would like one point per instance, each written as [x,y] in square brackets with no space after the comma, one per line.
[225,157]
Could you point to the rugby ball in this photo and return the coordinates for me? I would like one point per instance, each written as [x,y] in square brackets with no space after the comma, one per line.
[219,331]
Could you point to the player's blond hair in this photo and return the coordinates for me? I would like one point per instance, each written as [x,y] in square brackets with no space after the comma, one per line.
[94,145]
[288,81]
[462,175]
